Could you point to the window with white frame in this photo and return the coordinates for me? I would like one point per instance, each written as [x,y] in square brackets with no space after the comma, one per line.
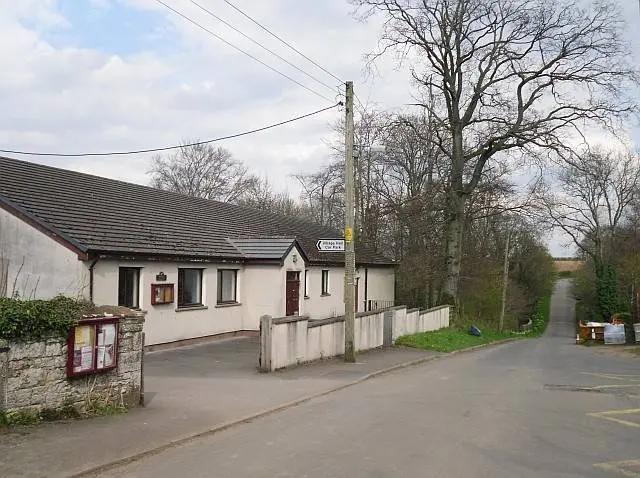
[227,286]
[189,287]
[325,282]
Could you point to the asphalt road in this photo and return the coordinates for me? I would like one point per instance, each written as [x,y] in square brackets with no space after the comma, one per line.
[534,408]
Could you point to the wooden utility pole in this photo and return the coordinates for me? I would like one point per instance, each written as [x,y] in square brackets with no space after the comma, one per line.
[349,251]
[505,280]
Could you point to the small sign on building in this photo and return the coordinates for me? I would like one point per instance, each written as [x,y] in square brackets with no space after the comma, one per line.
[330,245]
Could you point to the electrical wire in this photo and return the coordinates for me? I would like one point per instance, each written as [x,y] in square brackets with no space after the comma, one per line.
[237,30]
[281,40]
[364,108]
[167,148]
[242,51]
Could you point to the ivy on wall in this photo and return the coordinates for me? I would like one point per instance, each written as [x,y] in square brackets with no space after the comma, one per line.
[22,320]
[606,289]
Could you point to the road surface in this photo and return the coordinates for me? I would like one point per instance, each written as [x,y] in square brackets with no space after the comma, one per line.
[534,408]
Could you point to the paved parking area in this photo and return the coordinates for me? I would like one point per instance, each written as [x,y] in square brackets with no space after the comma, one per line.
[188,391]
[223,358]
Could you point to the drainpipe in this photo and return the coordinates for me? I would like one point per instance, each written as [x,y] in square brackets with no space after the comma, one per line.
[91,266]
[366,284]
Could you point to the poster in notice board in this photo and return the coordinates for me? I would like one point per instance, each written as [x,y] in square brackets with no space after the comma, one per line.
[83,348]
[106,346]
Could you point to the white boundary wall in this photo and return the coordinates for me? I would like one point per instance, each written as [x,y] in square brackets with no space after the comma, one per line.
[291,341]
[412,321]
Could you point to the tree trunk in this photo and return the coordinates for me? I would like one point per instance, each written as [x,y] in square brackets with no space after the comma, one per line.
[455,226]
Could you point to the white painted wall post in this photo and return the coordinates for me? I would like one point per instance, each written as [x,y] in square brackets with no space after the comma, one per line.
[266,326]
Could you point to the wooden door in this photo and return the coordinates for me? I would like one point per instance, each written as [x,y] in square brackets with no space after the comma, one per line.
[293,293]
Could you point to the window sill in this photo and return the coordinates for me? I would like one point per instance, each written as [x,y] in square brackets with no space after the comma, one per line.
[325,294]
[222,305]
[187,308]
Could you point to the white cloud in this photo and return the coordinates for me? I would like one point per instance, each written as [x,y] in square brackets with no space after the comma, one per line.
[73,98]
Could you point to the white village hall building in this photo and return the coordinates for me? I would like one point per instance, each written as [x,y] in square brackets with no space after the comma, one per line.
[199,268]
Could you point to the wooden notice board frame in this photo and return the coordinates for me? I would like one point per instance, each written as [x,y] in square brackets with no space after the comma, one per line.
[92,346]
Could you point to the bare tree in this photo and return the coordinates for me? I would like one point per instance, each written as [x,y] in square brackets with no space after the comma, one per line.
[593,193]
[260,195]
[203,171]
[411,183]
[324,193]
[508,75]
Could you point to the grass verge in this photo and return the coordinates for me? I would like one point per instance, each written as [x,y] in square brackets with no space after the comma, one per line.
[451,339]
[458,338]
[35,417]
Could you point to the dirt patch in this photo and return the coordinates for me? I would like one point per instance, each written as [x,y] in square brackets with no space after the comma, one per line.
[567,265]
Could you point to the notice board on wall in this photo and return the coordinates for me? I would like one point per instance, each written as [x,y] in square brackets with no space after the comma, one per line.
[93,346]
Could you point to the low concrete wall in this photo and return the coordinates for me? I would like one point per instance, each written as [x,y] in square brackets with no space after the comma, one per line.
[293,340]
[33,375]
[412,321]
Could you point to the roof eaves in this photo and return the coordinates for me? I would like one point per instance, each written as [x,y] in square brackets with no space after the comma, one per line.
[43,227]
[162,257]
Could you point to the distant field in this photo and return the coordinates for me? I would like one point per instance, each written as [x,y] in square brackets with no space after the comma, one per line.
[563,265]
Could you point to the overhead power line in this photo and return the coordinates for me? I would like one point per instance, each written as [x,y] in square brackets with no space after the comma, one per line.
[364,108]
[282,40]
[243,51]
[167,148]
[237,30]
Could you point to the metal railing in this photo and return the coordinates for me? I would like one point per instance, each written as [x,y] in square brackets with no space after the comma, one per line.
[376,304]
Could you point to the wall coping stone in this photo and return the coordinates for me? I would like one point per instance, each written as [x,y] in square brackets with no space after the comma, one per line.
[327,321]
[433,309]
[290,319]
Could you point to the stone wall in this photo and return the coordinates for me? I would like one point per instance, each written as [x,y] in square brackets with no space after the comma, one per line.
[33,375]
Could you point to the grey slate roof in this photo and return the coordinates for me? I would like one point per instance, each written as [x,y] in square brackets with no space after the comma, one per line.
[105,216]
[268,248]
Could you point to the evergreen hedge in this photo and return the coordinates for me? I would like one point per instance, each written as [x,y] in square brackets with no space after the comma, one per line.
[23,320]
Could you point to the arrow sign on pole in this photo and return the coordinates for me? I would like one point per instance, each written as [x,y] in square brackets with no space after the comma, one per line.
[330,245]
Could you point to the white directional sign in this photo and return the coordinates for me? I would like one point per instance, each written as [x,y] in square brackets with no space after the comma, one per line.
[330,245]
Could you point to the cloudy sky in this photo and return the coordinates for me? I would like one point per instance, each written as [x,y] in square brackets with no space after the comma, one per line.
[104,75]
[109,75]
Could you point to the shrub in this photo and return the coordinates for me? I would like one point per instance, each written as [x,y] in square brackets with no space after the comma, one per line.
[540,317]
[34,319]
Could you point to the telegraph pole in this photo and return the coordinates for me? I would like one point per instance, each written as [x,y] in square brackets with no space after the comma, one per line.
[349,251]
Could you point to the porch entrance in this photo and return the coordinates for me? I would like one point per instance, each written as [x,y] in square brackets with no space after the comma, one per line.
[293,293]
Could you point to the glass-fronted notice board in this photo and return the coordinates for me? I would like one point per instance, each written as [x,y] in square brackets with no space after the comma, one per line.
[93,346]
